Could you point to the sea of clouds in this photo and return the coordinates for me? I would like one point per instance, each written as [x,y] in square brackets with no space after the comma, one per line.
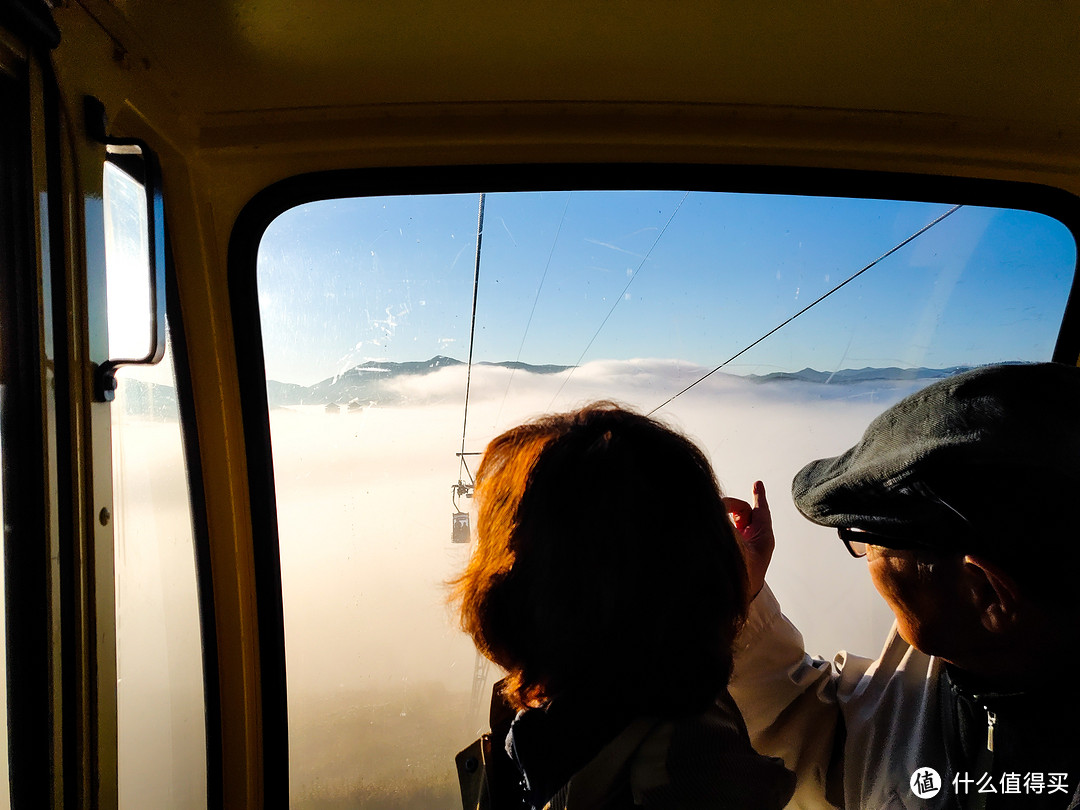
[364,511]
[364,505]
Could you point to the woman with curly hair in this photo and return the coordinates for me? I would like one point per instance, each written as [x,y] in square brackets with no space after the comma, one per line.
[607,581]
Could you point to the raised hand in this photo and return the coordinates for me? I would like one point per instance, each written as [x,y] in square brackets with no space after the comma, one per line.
[753,527]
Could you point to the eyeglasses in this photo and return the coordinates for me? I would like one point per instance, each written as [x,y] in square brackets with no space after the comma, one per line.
[856,541]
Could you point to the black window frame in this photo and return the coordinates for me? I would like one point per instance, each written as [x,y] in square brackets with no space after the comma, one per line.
[268,204]
[26,475]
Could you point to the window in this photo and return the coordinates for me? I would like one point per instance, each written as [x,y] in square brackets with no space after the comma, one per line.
[160,707]
[366,313]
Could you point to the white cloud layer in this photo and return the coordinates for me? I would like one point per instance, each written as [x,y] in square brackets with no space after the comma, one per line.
[364,505]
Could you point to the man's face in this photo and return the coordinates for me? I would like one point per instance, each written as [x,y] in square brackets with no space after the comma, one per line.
[923,592]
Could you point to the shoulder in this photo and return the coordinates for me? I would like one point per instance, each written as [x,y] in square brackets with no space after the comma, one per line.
[707,761]
[900,673]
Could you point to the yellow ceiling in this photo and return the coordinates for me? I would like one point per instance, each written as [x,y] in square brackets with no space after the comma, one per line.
[1006,62]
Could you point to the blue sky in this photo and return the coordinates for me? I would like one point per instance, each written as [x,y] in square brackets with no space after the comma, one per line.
[345,281]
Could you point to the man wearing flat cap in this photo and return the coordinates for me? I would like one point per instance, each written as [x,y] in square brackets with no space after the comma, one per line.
[963,498]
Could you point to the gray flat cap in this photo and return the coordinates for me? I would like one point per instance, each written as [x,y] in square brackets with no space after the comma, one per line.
[949,459]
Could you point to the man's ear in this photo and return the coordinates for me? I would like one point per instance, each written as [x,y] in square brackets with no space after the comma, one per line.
[996,593]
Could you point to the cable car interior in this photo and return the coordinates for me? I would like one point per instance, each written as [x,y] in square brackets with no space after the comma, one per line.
[272,275]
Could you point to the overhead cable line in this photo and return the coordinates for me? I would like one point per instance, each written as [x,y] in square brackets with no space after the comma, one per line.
[532,311]
[472,337]
[460,532]
[622,295]
[812,304]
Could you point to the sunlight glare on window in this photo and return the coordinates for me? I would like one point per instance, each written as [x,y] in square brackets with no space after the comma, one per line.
[128,266]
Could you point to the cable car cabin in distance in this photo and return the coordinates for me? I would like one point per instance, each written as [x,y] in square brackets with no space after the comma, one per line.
[224,586]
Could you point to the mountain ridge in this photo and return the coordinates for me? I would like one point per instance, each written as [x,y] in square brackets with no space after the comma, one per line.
[371,383]
[848,376]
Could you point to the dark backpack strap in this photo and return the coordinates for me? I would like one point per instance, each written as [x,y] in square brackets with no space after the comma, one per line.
[472,775]
[489,778]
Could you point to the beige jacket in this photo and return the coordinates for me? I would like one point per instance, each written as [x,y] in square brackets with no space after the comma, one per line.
[853,729]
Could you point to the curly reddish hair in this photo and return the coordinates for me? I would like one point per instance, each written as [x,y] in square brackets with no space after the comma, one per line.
[606,562]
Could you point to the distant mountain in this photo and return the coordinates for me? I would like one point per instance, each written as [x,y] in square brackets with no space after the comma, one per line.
[282,394]
[545,369]
[147,399]
[371,382]
[848,376]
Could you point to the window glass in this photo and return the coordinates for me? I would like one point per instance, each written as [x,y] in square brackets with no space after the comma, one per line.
[366,309]
[160,708]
